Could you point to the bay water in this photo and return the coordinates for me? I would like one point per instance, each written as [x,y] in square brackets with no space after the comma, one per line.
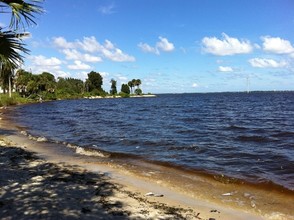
[249,137]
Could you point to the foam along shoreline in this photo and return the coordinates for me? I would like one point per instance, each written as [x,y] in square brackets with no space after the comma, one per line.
[182,197]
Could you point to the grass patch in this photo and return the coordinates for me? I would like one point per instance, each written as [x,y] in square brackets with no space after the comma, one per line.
[15,99]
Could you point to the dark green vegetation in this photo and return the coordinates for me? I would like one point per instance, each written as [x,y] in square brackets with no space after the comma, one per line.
[38,87]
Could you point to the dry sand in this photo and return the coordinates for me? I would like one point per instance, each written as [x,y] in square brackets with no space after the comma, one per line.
[41,180]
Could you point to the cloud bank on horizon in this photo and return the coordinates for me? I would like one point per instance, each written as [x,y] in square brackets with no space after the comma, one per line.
[170,59]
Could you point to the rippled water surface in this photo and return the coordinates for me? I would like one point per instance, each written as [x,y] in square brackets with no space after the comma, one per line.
[248,136]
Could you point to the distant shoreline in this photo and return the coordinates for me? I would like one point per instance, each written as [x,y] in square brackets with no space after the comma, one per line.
[118,96]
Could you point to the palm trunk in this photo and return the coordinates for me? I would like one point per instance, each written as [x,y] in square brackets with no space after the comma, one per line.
[9,86]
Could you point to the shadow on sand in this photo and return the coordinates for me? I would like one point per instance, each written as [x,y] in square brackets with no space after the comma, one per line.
[33,189]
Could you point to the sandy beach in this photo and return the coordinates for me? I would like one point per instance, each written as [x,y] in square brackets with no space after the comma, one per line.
[43,180]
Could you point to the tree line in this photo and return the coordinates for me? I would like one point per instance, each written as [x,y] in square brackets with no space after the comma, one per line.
[23,14]
[45,86]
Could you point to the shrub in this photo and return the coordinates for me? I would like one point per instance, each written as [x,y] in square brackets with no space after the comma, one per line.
[124,95]
[138,91]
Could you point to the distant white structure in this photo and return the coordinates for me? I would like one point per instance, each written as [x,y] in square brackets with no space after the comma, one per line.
[248,83]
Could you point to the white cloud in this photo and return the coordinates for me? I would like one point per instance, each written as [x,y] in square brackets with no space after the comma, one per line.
[90,44]
[74,50]
[78,65]
[267,63]
[118,56]
[225,69]
[52,65]
[43,61]
[226,46]
[104,74]
[165,45]
[277,45]
[73,54]
[91,59]
[61,42]
[162,45]
[147,48]
[123,78]
[195,85]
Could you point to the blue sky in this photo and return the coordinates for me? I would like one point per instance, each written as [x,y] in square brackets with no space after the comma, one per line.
[173,46]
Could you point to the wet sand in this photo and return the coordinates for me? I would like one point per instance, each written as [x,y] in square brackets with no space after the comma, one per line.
[49,180]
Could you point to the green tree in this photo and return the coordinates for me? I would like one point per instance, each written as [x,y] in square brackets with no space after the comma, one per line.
[125,89]
[113,90]
[131,85]
[21,82]
[137,83]
[33,85]
[94,82]
[47,82]
[138,91]
[6,79]
[11,46]
[69,88]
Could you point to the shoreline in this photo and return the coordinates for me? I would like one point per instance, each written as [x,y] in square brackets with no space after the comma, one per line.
[195,192]
[119,97]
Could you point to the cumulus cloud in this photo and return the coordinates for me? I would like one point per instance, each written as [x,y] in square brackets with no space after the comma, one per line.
[78,65]
[43,61]
[267,63]
[165,45]
[147,48]
[162,45]
[118,56]
[61,42]
[52,65]
[73,54]
[277,45]
[226,46]
[80,49]
[225,69]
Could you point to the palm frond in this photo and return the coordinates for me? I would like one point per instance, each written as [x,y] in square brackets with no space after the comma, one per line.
[22,11]
[11,47]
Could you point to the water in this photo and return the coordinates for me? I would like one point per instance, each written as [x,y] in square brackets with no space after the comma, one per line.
[244,136]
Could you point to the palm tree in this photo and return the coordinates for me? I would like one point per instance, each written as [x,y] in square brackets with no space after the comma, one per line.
[138,83]
[11,46]
[6,79]
[23,12]
[131,85]
[113,90]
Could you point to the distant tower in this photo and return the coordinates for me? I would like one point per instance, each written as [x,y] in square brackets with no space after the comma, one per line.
[248,83]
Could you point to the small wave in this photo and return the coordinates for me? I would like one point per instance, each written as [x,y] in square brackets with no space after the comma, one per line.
[91,152]
[34,138]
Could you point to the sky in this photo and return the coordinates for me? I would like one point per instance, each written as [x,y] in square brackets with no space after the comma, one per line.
[173,46]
